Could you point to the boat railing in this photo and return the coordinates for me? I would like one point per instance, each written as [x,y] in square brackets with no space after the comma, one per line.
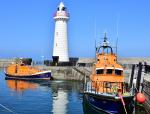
[104,87]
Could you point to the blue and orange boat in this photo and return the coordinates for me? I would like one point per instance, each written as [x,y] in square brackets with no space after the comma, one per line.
[106,91]
[21,71]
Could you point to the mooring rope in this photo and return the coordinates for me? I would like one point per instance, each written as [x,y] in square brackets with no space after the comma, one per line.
[8,109]
[123,103]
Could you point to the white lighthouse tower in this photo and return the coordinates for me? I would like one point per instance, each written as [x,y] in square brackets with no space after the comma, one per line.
[60,49]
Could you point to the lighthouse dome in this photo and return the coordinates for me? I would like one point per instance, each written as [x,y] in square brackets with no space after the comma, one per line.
[61,7]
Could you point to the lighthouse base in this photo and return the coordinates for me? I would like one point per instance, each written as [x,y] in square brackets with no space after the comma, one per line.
[56,62]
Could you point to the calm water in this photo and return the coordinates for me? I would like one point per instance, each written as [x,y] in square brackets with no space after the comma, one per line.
[54,97]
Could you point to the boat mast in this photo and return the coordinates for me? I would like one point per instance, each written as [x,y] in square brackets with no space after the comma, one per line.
[117,27]
[95,31]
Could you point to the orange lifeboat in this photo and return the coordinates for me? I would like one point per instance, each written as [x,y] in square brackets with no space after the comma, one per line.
[22,71]
[106,90]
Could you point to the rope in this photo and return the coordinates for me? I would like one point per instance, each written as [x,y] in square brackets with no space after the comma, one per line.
[7,109]
[125,109]
[123,103]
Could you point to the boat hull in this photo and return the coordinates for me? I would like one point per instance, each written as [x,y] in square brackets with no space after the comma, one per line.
[107,104]
[39,76]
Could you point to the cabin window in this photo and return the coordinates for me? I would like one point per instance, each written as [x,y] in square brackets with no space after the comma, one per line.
[109,71]
[118,72]
[99,71]
[108,85]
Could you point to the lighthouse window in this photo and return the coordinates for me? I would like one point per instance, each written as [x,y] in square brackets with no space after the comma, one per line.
[99,71]
[58,9]
[63,9]
[118,72]
[109,71]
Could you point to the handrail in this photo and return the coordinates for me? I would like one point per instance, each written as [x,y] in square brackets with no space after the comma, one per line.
[105,87]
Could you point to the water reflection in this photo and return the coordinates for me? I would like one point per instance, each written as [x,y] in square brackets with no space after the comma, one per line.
[61,92]
[48,97]
[60,101]
[20,86]
[60,98]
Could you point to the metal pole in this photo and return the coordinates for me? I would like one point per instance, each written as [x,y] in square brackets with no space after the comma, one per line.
[139,76]
[132,76]
[85,85]
[145,64]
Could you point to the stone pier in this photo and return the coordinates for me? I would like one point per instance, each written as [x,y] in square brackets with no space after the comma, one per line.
[68,73]
[5,62]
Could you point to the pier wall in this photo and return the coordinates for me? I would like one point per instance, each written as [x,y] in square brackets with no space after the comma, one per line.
[60,73]
[5,62]
[68,73]
[127,62]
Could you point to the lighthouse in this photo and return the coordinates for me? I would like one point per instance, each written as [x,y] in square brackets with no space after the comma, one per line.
[60,47]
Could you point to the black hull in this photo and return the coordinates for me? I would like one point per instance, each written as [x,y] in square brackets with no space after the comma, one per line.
[102,104]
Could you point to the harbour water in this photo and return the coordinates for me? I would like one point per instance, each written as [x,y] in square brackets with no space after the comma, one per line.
[55,97]
[51,97]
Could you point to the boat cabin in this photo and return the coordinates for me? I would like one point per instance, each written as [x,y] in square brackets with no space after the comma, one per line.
[106,70]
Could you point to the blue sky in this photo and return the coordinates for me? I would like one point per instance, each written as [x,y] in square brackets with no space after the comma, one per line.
[27,27]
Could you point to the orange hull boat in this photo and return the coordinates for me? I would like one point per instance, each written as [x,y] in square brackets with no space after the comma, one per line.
[25,72]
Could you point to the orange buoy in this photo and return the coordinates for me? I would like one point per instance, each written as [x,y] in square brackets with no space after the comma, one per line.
[140,97]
